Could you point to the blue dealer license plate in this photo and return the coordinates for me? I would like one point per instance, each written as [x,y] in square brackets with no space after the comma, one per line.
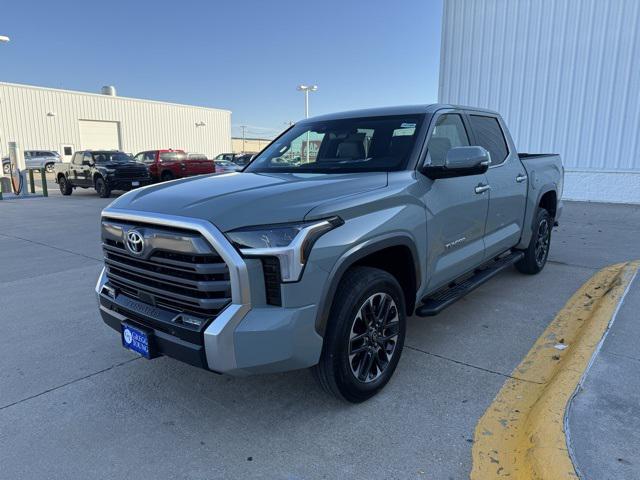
[135,339]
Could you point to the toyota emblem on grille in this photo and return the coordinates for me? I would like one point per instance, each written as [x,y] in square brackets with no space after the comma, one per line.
[135,242]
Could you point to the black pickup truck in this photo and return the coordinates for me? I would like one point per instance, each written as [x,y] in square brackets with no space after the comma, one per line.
[104,170]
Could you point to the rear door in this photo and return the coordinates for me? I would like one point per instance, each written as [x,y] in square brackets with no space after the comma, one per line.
[508,184]
[75,169]
[190,166]
[85,179]
[456,212]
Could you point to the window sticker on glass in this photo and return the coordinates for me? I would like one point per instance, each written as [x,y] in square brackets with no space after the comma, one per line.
[408,125]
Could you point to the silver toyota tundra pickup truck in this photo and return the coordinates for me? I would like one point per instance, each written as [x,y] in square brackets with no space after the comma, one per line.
[320,249]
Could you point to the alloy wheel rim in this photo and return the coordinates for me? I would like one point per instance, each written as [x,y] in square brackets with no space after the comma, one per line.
[542,242]
[373,337]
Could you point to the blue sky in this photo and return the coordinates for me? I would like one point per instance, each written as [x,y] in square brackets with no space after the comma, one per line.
[245,56]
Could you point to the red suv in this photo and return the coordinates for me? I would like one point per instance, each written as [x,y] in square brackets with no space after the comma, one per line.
[169,164]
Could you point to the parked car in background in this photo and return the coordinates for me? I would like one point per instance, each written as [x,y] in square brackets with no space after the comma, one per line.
[401,211]
[244,159]
[104,170]
[169,164]
[36,159]
[226,166]
[226,156]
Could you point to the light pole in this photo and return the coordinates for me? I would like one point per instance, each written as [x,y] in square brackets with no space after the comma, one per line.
[3,39]
[244,128]
[306,89]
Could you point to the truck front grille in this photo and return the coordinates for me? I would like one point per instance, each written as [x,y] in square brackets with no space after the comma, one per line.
[135,172]
[177,270]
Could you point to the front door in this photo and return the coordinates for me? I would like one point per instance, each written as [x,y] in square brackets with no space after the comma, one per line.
[456,208]
[508,183]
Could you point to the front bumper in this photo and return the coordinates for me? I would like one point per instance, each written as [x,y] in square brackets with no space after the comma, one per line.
[247,337]
[127,183]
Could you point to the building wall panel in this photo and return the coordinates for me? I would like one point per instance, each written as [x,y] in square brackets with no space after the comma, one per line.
[144,124]
[565,74]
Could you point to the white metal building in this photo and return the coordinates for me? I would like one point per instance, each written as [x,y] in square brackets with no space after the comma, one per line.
[50,119]
[565,75]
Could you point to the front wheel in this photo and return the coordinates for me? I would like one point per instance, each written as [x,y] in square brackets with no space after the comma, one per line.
[102,188]
[65,186]
[536,254]
[364,337]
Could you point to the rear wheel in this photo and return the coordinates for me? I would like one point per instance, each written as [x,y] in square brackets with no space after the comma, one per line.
[102,188]
[6,168]
[166,176]
[364,337]
[65,186]
[49,167]
[536,254]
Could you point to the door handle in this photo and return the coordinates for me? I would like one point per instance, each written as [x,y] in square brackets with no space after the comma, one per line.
[482,188]
[521,178]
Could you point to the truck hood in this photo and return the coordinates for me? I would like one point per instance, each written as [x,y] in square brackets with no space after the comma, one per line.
[236,200]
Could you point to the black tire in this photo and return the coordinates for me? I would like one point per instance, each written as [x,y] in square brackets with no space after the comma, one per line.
[101,187]
[536,254]
[49,168]
[6,168]
[65,186]
[348,378]
[166,176]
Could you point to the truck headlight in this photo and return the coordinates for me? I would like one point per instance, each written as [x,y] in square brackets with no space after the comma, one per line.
[291,243]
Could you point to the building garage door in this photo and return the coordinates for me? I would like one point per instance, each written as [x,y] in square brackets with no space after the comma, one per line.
[98,135]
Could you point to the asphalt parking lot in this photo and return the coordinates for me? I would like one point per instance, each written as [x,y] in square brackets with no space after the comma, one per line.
[75,404]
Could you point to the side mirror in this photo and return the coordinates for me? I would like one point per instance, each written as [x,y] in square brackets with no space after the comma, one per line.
[460,162]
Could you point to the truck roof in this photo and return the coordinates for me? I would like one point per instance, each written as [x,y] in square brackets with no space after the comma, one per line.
[397,110]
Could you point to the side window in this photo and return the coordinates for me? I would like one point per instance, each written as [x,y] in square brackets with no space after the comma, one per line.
[489,135]
[87,158]
[448,133]
[77,158]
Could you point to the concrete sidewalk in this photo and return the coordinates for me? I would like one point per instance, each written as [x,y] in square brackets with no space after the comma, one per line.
[604,416]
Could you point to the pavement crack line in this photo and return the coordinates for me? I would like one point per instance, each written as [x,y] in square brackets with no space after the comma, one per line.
[471,365]
[575,265]
[71,382]
[51,246]
[622,355]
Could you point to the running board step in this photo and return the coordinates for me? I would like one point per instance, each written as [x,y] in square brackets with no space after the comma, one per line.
[435,303]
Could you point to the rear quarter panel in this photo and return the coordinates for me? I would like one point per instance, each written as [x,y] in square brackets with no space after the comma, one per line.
[545,174]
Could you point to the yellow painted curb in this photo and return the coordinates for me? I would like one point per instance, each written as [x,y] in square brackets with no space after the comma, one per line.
[521,435]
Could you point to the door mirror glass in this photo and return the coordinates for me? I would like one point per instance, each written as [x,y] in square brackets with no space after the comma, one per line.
[459,162]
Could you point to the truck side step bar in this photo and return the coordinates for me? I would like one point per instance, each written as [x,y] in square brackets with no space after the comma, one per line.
[438,301]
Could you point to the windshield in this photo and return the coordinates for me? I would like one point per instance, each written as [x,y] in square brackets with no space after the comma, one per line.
[111,157]
[338,146]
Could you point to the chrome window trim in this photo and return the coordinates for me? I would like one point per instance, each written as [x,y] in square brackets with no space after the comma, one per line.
[218,336]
